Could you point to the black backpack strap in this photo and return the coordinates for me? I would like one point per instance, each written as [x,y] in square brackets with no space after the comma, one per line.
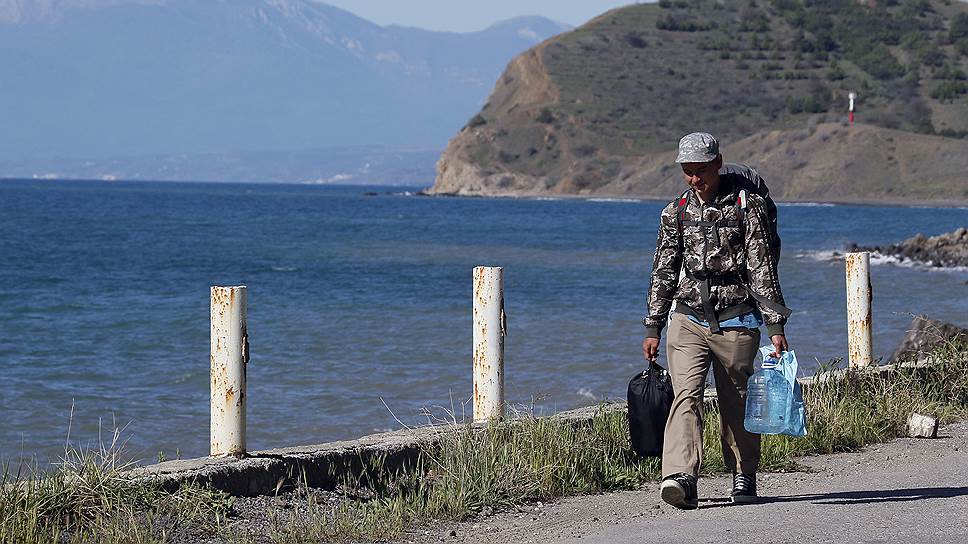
[775,306]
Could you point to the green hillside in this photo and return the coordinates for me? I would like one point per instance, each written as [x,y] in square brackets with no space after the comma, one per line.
[584,111]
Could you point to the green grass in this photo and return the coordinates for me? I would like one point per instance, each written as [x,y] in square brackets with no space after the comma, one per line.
[472,470]
[538,459]
[86,498]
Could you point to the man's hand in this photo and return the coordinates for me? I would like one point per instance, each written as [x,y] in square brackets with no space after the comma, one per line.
[650,348]
[779,345]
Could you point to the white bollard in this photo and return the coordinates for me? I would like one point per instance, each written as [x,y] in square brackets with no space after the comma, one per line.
[490,327]
[229,355]
[859,297]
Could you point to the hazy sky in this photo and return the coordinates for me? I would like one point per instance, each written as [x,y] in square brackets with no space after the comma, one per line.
[471,15]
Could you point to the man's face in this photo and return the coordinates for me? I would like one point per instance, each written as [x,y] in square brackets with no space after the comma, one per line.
[702,176]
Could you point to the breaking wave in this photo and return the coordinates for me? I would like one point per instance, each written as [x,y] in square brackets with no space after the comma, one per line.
[603,199]
[585,392]
[878,259]
[807,204]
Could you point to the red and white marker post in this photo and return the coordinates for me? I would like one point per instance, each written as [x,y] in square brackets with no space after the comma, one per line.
[850,109]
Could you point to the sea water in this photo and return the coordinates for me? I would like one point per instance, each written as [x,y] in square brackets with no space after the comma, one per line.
[359,307]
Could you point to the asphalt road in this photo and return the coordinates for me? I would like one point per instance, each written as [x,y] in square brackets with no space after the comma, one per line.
[909,490]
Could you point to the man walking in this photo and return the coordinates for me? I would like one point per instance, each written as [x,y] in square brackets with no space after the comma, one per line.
[719,233]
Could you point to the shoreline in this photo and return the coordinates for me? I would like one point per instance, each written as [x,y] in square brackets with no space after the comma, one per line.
[601,197]
[417,190]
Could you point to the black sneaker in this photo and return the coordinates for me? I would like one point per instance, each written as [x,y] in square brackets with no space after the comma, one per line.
[679,490]
[744,489]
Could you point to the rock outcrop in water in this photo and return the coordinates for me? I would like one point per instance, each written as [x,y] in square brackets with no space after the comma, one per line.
[946,250]
[923,336]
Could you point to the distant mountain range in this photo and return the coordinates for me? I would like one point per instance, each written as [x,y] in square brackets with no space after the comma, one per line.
[599,110]
[327,165]
[114,82]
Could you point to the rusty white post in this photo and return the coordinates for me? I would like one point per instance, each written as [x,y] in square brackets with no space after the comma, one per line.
[229,355]
[859,296]
[489,330]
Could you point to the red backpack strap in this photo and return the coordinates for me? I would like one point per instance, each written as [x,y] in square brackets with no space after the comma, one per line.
[681,208]
[681,213]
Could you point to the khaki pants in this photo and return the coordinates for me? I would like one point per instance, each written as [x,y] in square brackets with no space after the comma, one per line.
[691,349]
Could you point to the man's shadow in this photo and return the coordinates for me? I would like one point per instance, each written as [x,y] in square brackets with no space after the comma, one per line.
[856,497]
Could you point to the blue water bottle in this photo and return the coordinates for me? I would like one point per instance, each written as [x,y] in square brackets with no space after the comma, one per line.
[767,400]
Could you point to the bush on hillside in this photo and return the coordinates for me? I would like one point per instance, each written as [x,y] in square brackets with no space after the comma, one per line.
[507,156]
[877,61]
[930,54]
[913,75]
[765,42]
[959,27]
[923,48]
[545,116]
[783,6]
[754,20]
[916,8]
[835,72]
[961,46]
[951,133]
[915,39]
[804,44]
[818,100]
[635,40]
[476,121]
[949,90]
[718,42]
[906,109]
[856,23]
[949,72]
[815,21]
[679,23]
[585,150]
[803,104]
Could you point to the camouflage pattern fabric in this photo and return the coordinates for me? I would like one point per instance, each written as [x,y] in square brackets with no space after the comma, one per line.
[698,147]
[735,259]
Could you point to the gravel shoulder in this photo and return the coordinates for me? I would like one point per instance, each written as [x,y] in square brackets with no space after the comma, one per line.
[907,490]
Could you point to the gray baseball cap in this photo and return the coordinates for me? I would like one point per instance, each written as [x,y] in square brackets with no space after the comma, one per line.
[698,147]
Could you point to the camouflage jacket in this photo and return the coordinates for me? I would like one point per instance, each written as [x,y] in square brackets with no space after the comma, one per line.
[735,260]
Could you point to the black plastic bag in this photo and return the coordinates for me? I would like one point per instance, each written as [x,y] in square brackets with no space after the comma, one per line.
[650,399]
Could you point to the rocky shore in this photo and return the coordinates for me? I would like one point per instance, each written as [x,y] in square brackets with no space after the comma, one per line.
[944,250]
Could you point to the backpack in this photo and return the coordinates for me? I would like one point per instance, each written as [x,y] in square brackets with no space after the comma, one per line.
[747,180]
[649,401]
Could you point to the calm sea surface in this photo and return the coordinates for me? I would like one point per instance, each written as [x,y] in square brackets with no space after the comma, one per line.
[356,301]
